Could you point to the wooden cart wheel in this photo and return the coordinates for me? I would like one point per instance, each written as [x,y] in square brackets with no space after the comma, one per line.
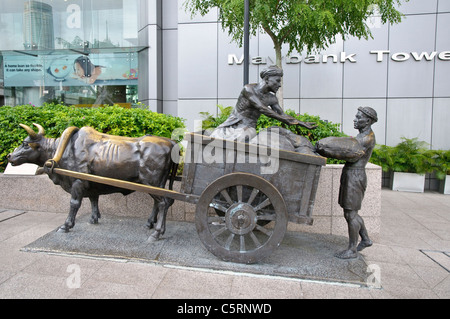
[235,234]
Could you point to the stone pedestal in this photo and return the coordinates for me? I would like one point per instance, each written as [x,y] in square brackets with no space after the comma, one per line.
[329,216]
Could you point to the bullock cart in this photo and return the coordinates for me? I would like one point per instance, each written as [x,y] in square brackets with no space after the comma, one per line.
[245,194]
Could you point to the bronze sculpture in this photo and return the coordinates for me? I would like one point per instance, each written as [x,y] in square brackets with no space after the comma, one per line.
[268,201]
[145,160]
[256,99]
[89,164]
[357,152]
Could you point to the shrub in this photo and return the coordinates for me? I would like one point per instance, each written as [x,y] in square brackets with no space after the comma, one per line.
[211,122]
[409,156]
[55,118]
[440,162]
[324,128]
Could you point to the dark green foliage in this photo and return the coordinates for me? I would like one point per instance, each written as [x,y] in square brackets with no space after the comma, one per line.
[210,122]
[409,156]
[440,162]
[324,128]
[55,118]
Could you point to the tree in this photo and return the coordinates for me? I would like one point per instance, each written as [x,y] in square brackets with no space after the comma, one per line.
[305,25]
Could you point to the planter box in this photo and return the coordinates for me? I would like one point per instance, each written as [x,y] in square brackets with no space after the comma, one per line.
[408,182]
[444,186]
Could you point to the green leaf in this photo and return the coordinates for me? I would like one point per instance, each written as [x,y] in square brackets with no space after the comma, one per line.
[55,118]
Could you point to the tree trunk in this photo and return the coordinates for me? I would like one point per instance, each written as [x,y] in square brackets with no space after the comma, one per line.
[280,94]
[277,46]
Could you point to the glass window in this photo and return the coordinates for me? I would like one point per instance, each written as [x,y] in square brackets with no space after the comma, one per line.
[48,24]
[59,75]
[72,51]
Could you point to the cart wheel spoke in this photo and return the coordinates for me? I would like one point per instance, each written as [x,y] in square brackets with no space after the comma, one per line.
[264,230]
[268,217]
[242,243]
[239,190]
[217,206]
[218,232]
[263,204]
[229,241]
[253,196]
[227,197]
[255,239]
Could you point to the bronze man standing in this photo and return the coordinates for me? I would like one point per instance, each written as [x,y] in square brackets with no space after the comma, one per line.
[353,179]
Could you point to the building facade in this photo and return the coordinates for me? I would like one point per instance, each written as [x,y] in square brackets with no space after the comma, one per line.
[157,53]
[81,52]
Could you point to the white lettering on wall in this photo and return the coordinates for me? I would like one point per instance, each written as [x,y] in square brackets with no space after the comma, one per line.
[293,59]
[379,54]
[350,57]
[405,56]
[445,56]
[419,57]
[326,56]
[259,60]
[400,57]
[343,57]
[232,58]
[312,59]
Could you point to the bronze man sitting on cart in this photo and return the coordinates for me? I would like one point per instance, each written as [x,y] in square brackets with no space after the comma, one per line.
[256,99]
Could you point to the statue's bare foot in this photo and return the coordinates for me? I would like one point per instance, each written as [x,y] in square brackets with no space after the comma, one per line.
[364,244]
[346,254]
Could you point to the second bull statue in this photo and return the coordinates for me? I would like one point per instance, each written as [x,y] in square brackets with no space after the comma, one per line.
[145,160]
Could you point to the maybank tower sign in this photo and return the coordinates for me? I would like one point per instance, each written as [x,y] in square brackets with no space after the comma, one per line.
[344,57]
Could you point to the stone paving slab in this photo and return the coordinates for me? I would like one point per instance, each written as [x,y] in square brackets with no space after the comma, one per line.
[300,256]
[6,214]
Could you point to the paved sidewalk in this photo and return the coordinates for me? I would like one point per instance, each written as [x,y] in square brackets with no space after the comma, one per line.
[408,259]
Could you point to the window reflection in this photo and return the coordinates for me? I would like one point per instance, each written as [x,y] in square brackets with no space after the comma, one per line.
[72,23]
[72,51]
[51,76]
[82,96]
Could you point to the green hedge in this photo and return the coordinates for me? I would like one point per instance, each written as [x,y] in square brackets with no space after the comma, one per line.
[55,118]
[324,128]
[412,156]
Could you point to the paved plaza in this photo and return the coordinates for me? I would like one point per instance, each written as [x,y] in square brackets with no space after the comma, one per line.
[409,259]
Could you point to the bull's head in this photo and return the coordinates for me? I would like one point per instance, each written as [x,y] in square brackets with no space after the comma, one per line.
[29,151]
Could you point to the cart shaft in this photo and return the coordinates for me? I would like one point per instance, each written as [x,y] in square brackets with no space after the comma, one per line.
[129,185]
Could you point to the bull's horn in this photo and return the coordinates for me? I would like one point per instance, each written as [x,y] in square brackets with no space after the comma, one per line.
[29,130]
[41,129]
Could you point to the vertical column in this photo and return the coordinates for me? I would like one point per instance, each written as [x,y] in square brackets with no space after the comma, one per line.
[150,57]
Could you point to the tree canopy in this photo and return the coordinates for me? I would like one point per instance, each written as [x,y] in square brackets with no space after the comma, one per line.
[305,25]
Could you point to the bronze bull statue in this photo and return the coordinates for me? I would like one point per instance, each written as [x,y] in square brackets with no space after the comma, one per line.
[146,160]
